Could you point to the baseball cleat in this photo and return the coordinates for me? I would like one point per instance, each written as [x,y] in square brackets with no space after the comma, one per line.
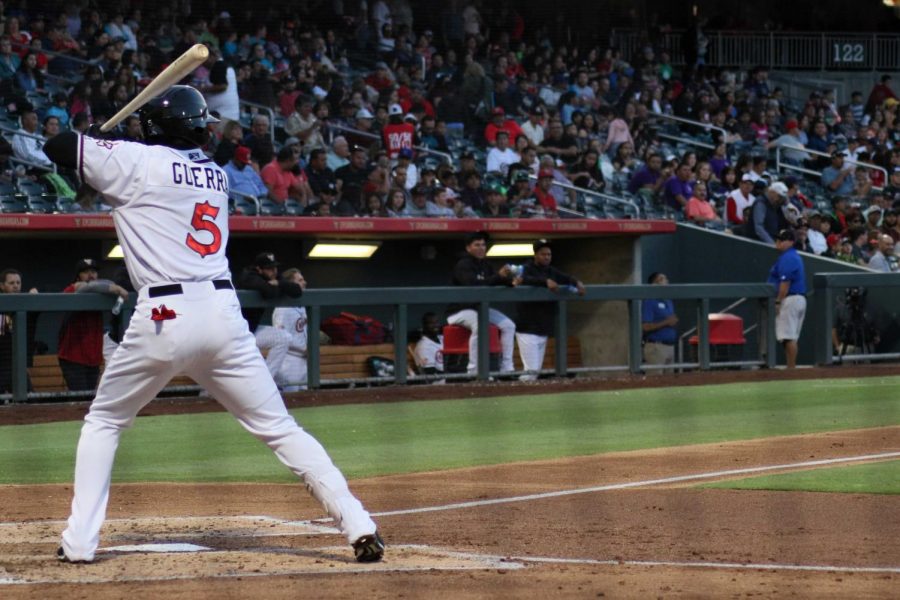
[61,557]
[369,548]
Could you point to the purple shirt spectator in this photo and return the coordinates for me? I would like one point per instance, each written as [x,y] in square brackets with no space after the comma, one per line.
[717,164]
[674,187]
[643,176]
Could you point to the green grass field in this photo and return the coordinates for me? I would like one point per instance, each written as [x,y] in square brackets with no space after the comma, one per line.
[876,478]
[378,439]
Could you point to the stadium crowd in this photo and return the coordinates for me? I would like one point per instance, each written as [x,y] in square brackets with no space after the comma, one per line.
[362,112]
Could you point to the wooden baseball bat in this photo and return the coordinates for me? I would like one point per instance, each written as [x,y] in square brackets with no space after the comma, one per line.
[192,58]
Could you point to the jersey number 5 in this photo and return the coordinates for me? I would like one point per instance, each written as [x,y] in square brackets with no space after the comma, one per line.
[200,222]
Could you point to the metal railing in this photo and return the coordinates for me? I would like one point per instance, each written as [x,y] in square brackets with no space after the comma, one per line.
[601,195]
[265,109]
[400,299]
[778,49]
[779,165]
[333,125]
[798,89]
[693,330]
[54,54]
[699,124]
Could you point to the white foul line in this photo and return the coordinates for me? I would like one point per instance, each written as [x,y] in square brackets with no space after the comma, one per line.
[635,484]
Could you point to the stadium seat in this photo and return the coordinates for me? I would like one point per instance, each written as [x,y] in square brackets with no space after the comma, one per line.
[292,208]
[13,204]
[42,204]
[68,205]
[242,205]
[270,208]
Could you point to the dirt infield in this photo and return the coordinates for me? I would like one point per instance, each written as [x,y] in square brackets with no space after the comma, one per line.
[621,525]
[557,529]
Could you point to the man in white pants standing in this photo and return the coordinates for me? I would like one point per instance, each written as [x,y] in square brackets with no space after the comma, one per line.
[473,269]
[292,321]
[534,323]
[171,216]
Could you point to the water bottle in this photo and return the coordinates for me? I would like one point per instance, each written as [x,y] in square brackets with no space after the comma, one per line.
[515,270]
[117,307]
[570,289]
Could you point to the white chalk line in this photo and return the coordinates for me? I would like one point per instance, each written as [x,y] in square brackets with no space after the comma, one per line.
[637,484]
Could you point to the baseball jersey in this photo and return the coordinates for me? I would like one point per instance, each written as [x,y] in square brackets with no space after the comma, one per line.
[430,353]
[170,208]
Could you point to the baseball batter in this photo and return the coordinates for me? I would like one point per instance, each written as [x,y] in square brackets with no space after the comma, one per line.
[171,216]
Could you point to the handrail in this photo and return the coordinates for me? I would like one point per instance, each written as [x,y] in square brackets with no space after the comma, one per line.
[255,199]
[54,53]
[266,109]
[25,161]
[779,165]
[686,140]
[579,190]
[701,124]
[447,158]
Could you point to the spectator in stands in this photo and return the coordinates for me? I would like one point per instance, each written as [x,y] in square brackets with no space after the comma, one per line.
[758,171]
[658,321]
[396,203]
[495,204]
[428,351]
[790,142]
[398,134]
[698,209]
[859,240]
[318,174]
[838,178]
[818,243]
[242,177]
[501,156]
[768,218]
[58,108]
[586,173]
[619,131]
[131,129]
[28,78]
[232,137]
[821,138]
[81,335]
[651,177]
[221,92]
[283,180]
[534,128]
[11,283]
[353,177]
[499,123]
[678,188]
[472,194]
[259,140]
[559,145]
[546,203]
[9,60]
[880,258]
[305,126]
[50,128]
[891,224]
[880,92]
[473,270]
[30,148]
[789,279]
[534,320]
[338,154]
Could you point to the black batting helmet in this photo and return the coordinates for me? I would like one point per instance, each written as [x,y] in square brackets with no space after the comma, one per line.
[177,118]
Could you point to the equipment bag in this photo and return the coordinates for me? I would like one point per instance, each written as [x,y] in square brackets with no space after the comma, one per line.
[347,329]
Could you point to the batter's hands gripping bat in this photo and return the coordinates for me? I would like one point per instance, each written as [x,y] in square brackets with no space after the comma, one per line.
[192,58]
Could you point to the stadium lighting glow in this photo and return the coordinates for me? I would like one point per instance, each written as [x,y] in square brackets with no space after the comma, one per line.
[344,250]
[115,252]
[498,250]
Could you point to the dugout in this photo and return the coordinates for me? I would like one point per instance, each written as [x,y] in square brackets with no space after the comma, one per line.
[411,252]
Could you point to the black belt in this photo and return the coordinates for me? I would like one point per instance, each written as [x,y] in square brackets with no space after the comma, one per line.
[662,343]
[173,289]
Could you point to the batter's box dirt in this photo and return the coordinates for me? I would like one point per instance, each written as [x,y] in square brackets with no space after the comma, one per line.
[146,564]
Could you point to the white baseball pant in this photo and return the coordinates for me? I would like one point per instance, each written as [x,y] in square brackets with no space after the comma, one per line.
[532,348]
[277,342]
[468,318]
[292,376]
[224,360]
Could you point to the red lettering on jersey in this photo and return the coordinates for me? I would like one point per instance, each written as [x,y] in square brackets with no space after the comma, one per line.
[201,223]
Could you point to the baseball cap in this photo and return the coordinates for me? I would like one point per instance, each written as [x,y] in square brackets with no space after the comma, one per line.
[497,110]
[329,188]
[291,141]
[419,190]
[540,244]
[522,175]
[364,113]
[779,188]
[410,117]
[395,109]
[838,154]
[790,180]
[813,214]
[496,188]
[468,155]
[785,235]
[747,177]
[265,260]
[381,65]
[833,239]
[791,124]
[85,264]
[405,153]
[545,173]
[242,155]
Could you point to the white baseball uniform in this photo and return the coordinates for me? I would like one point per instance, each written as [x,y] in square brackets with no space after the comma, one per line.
[532,348]
[291,320]
[171,216]
[430,353]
